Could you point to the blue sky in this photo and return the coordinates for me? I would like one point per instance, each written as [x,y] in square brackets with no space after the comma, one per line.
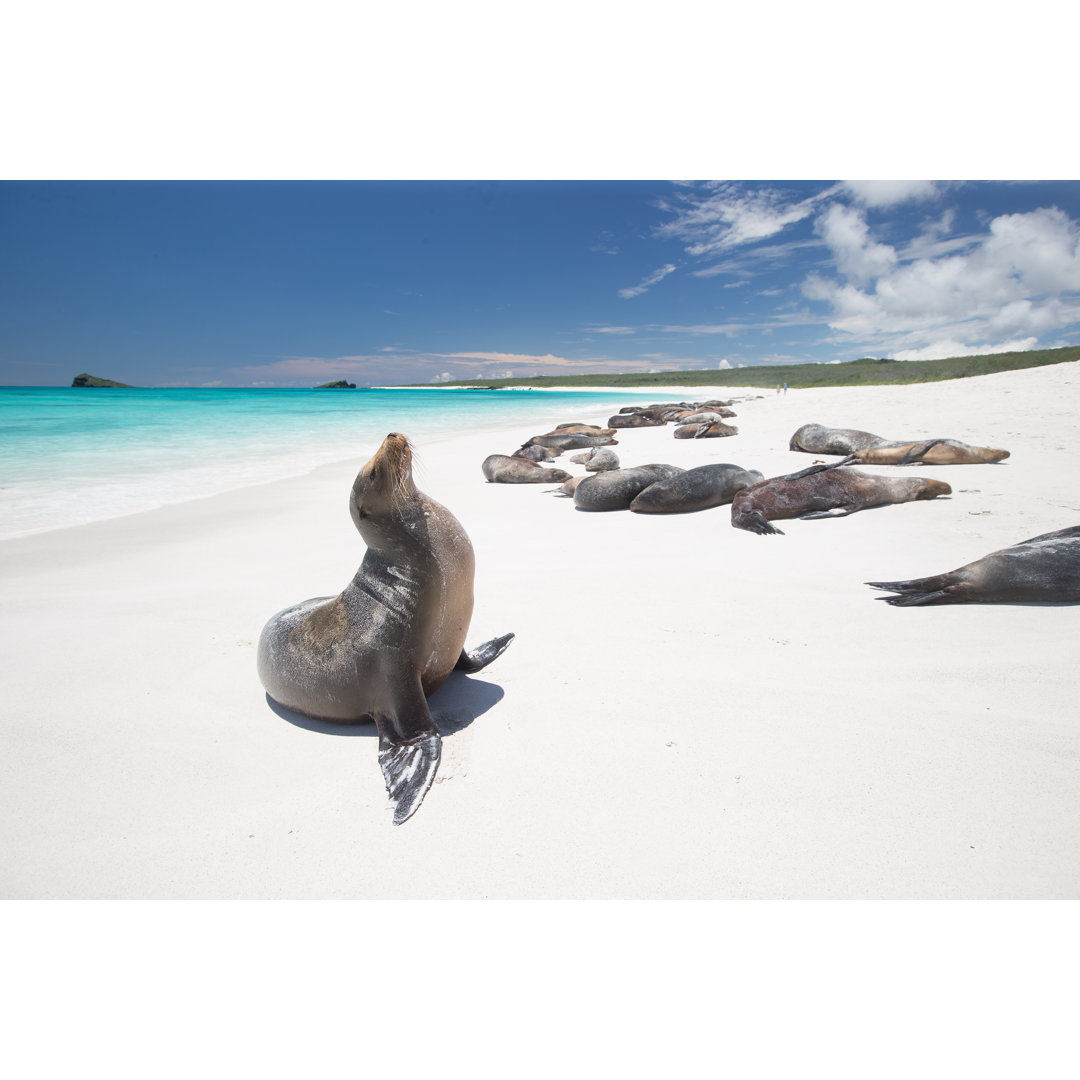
[290,284]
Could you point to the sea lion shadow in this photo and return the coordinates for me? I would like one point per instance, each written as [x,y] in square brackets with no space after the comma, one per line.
[454,706]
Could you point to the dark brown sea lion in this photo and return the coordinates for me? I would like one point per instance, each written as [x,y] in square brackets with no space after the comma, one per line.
[500,469]
[617,489]
[824,491]
[1042,570]
[696,489]
[383,645]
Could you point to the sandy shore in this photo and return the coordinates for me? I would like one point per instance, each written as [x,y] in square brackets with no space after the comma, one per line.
[689,711]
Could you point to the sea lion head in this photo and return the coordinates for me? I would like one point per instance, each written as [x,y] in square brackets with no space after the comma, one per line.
[383,490]
[931,489]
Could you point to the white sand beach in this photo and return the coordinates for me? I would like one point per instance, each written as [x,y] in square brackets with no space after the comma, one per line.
[688,710]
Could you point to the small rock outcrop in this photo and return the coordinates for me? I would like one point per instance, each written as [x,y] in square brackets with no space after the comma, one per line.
[338,384]
[93,380]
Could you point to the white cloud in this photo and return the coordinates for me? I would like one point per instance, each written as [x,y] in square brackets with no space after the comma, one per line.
[647,283]
[723,216]
[877,193]
[1018,281]
[847,234]
[942,350]
[610,330]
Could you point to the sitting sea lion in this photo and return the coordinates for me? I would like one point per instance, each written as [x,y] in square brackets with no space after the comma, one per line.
[617,489]
[383,645]
[500,469]
[695,489]
[824,491]
[1042,570]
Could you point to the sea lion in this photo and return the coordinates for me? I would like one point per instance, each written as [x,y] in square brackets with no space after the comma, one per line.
[569,487]
[864,448]
[1042,570]
[383,645]
[580,429]
[536,453]
[714,430]
[633,420]
[815,439]
[703,416]
[571,442]
[617,489]
[824,491]
[929,452]
[500,469]
[598,459]
[696,489]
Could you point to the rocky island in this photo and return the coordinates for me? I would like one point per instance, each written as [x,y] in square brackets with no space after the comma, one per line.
[339,384]
[93,380]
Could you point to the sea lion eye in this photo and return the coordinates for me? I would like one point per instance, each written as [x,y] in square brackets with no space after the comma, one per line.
[373,475]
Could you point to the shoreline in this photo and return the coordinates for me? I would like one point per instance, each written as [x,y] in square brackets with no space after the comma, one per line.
[688,711]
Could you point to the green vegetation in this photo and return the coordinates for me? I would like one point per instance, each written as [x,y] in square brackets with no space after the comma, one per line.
[866,372]
[93,380]
[337,384]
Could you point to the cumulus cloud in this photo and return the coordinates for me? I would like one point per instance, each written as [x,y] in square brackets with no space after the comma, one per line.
[1014,283]
[647,283]
[877,193]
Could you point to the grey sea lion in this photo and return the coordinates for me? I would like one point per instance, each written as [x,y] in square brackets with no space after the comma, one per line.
[696,489]
[929,452]
[572,442]
[598,459]
[633,420]
[617,489]
[383,645]
[715,430]
[500,469]
[708,416]
[824,491]
[1042,570]
[816,439]
[536,453]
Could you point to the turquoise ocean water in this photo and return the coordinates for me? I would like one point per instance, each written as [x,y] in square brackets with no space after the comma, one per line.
[74,455]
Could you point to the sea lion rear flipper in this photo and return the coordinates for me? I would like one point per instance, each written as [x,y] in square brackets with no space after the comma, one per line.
[481,656]
[409,751]
[930,590]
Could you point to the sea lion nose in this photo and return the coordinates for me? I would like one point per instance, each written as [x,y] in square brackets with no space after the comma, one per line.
[395,435]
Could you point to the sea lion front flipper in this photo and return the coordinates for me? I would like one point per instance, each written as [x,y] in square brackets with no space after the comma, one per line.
[481,656]
[409,751]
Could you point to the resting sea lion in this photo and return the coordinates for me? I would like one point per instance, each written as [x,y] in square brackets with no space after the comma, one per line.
[383,645]
[536,453]
[599,459]
[824,491]
[633,420]
[571,442]
[815,439]
[695,489]
[500,469]
[1042,570]
[580,429]
[715,430]
[617,489]
[930,452]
